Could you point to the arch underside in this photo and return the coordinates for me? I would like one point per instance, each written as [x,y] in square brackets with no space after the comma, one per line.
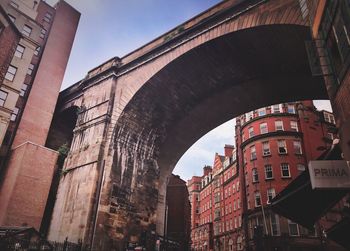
[218,81]
[193,94]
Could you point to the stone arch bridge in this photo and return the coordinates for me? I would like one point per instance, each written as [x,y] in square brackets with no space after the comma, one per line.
[130,119]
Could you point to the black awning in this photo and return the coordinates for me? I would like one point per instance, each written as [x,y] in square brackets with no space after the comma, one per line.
[340,233]
[303,205]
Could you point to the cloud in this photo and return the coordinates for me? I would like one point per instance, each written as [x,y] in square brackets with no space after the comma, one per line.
[203,151]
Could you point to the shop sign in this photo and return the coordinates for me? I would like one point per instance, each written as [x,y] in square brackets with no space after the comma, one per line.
[329,174]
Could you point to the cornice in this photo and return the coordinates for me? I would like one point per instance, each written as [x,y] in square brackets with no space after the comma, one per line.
[269,135]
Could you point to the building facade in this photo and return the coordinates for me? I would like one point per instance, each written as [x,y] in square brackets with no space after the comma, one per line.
[178,214]
[9,38]
[29,91]
[194,187]
[219,205]
[277,142]
[329,54]
[273,146]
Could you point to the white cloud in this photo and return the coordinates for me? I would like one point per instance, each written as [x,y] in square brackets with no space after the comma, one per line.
[203,151]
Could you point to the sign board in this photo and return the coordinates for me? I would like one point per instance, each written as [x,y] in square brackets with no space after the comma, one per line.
[329,174]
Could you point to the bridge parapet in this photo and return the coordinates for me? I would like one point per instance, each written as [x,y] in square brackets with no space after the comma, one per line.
[213,14]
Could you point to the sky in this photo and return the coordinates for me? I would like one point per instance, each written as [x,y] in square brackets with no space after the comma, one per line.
[110,28]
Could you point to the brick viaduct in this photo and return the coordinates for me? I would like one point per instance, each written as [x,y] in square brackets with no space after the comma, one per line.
[132,118]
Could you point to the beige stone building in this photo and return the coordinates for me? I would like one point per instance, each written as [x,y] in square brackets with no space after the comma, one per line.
[23,15]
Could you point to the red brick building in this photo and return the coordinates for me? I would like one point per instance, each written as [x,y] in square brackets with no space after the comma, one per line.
[277,142]
[220,210]
[178,216]
[274,145]
[194,187]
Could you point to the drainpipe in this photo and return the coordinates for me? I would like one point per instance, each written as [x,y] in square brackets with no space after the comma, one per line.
[97,204]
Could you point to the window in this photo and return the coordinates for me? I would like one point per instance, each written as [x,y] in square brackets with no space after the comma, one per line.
[285,170]
[262,111]
[42,33]
[293,228]
[275,109]
[48,17]
[279,125]
[275,225]
[19,51]
[291,109]
[13,4]
[27,30]
[263,128]
[14,114]
[3,97]
[37,50]
[30,69]
[330,135]
[328,117]
[249,116]
[11,72]
[23,90]
[282,147]
[304,8]
[251,132]
[294,126]
[12,18]
[301,167]
[255,175]
[257,199]
[268,172]
[252,153]
[338,40]
[266,148]
[270,194]
[297,147]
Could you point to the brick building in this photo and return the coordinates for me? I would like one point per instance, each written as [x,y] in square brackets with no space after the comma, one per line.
[329,54]
[274,145]
[29,93]
[194,187]
[219,205]
[178,215]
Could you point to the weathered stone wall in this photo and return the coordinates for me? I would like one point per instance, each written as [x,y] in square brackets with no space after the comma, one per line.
[77,196]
